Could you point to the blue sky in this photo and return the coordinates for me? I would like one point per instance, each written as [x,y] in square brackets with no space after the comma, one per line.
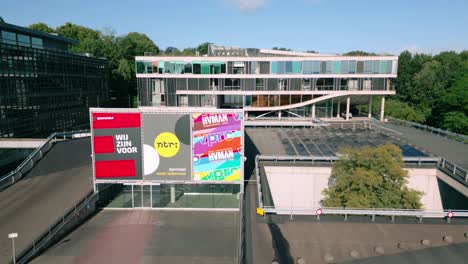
[329,26]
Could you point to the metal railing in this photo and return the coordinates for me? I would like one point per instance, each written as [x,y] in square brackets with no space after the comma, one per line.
[453,170]
[49,235]
[416,161]
[242,242]
[433,130]
[449,168]
[29,162]
[372,212]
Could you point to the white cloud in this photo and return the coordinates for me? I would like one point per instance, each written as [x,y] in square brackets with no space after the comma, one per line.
[247,5]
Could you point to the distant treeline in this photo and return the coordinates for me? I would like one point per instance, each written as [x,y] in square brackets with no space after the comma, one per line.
[430,89]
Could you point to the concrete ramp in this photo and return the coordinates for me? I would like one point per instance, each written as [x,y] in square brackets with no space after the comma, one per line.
[61,178]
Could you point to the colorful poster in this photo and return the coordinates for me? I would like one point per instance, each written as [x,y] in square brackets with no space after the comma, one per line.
[166,146]
[116,145]
[217,146]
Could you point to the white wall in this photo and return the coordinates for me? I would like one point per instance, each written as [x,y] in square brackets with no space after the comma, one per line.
[301,187]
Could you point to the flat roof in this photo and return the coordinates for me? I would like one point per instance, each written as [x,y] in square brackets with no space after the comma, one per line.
[35,33]
[322,141]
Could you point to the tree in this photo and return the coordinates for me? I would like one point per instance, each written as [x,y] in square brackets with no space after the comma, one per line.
[281,48]
[43,27]
[370,177]
[359,53]
[203,48]
[73,31]
[135,44]
[402,110]
[172,50]
[453,107]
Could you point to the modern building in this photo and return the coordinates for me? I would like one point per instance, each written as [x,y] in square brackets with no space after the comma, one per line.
[44,87]
[266,82]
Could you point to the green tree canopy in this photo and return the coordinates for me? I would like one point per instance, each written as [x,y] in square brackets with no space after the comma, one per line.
[135,44]
[203,48]
[43,27]
[370,177]
[359,53]
[77,32]
[281,48]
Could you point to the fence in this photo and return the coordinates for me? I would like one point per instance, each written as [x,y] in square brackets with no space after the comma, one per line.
[438,131]
[446,166]
[454,171]
[242,242]
[28,163]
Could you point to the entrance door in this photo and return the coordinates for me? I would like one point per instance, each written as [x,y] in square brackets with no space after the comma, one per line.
[137,196]
[146,196]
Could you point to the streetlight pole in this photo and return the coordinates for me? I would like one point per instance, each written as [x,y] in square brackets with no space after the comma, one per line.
[13,236]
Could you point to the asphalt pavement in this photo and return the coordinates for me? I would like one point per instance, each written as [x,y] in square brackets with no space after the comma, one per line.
[54,185]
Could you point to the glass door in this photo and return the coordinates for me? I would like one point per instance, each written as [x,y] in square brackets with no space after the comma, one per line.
[146,196]
[137,196]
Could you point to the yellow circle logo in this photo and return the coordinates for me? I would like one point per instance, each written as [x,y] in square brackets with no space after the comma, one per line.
[167,144]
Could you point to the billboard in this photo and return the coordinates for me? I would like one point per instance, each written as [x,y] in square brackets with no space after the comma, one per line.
[217,147]
[116,145]
[166,146]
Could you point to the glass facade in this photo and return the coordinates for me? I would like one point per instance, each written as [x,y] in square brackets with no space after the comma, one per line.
[175,196]
[44,90]
[261,67]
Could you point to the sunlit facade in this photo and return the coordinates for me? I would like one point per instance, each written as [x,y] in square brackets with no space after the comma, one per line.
[265,82]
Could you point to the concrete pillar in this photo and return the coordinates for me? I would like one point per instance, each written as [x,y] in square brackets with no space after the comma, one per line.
[382,109]
[370,107]
[313,111]
[172,194]
[348,102]
[338,108]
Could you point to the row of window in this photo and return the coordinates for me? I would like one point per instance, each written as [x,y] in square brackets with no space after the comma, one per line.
[12,38]
[266,67]
[31,62]
[261,84]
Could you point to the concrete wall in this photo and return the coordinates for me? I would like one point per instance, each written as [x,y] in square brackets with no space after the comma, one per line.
[301,187]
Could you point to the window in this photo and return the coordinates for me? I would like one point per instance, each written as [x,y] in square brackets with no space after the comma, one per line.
[260,84]
[9,37]
[368,66]
[376,66]
[205,68]
[274,67]
[161,65]
[344,67]
[360,67]
[37,43]
[188,69]
[307,67]
[297,67]
[336,66]
[24,40]
[311,67]
[196,68]
[140,67]
[288,67]
[352,67]
[386,66]
[264,67]
[253,68]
